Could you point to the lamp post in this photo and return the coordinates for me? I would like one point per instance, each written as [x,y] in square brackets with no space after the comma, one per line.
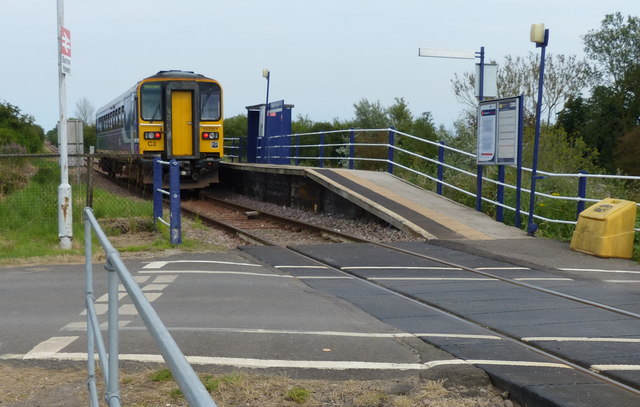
[267,75]
[540,37]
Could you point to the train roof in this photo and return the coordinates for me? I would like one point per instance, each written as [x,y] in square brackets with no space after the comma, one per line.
[176,74]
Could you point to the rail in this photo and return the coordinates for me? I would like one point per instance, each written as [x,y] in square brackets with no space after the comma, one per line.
[189,383]
[175,223]
[343,154]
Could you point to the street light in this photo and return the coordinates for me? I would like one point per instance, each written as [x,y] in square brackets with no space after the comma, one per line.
[540,37]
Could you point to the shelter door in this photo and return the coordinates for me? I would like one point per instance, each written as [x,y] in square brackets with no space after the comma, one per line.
[182,123]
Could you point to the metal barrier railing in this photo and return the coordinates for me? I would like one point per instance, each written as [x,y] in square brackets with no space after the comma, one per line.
[347,158]
[175,223]
[189,383]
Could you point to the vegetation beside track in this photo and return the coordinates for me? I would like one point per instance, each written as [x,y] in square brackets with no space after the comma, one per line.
[29,218]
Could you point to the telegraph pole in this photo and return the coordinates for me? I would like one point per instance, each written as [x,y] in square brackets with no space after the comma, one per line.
[65,225]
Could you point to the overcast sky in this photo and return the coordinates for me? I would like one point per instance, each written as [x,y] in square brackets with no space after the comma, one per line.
[324,55]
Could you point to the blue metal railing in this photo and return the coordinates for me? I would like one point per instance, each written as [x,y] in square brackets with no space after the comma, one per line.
[344,154]
[189,383]
[175,223]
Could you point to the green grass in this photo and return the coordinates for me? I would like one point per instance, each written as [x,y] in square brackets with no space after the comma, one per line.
[29,216]
[162,375]
[297,394]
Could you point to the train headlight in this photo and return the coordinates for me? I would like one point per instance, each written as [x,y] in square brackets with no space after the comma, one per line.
[210,135]
[152,135]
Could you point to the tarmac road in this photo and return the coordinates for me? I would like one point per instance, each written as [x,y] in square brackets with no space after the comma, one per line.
[223,309]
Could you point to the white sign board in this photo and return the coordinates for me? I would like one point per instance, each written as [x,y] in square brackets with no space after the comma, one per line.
[498,129]
[489,81]
[65,51]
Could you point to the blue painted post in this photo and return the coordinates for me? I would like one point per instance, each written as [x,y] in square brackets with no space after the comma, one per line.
[391,150]
[480,168]
[175,223]
[440,167]
[582,193]
[157,185]
[500,194]
[321,150]
[479,188]
[352,147]
[517,220]
[531,226]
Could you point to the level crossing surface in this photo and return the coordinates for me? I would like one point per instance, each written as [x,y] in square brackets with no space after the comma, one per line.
[598,340]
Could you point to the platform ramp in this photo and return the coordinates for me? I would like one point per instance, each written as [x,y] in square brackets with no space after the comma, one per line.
[411,208]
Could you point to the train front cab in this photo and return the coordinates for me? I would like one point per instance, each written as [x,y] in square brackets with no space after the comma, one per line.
[182,120]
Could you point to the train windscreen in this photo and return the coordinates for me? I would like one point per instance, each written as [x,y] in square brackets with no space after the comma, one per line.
[151,101]
[209,101]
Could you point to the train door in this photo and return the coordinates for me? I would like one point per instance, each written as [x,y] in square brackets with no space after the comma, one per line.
[182,122]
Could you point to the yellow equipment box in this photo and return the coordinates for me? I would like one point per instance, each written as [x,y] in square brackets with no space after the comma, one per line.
[606,229]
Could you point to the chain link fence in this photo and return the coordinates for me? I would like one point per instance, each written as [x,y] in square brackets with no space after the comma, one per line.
[29,194]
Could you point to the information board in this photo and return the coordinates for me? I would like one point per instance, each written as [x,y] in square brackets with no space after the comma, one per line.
[498,127]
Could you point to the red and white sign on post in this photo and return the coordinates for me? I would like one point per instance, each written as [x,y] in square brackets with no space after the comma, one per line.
[65,51]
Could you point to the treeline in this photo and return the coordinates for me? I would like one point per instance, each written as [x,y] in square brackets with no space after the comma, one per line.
[18,132]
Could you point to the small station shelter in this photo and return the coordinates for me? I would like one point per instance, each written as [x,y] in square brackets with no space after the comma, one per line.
[269,142]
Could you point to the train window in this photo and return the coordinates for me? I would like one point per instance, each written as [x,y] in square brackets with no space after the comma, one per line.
[151,101]
[209,101]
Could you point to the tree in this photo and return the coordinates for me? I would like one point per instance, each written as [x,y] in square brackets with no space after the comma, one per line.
[370,115]
[400,116]
[613,49]
[19,129]
[85,111]
[608,120]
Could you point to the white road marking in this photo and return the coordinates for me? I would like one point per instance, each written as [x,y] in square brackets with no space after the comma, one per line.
[305,364]
[325,277]
[398,268]
[333,333]
[433,279]
[302,267]
[601,270]
[49,348]
[151,297]
[543,279]
[127,309]
[101,309]
[165,279]
[82,325]
[161,264]
[238,273]
[105,297]
[614,367]
[579,339]
[154,287]
[429,268]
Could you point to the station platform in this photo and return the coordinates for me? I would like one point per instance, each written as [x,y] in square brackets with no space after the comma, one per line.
[407,207]
[399,203]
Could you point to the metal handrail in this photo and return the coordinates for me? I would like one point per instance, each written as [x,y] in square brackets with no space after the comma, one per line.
[189,383]
[348,145]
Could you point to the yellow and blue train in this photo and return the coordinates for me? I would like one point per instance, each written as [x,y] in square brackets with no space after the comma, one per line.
[171,115]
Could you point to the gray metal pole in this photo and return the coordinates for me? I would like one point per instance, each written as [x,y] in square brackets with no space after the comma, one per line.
[65,220]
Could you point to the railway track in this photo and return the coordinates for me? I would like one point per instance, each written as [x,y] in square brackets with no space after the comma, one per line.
[287,234]
[260,227]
